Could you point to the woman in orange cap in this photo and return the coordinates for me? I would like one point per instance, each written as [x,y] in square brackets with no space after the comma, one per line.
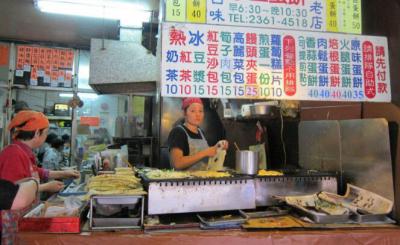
[17,161]
[188,146]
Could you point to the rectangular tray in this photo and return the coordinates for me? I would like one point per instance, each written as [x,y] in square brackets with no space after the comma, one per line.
[238,219]
[115,199]
[364,218]
[269,212]
[49,224]
[99,223]
[322,218]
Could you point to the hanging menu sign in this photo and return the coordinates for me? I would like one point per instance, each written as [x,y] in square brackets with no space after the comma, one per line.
[312,15]
[44,66]
[255,63]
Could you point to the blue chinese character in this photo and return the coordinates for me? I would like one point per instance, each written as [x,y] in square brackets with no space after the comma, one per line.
[356,57]
[323,81]
[276,40]
[323,68]
[238,51]
[276,52]
[357,70]
[357,82]
[196,38]
[238,37]
[322,55]
[238,64]
[172,56]
[217,15]
[316,22]
[276,63]
[355,45]
[316,7]
[322,43]
[217,1]
[239,77]
[172,75]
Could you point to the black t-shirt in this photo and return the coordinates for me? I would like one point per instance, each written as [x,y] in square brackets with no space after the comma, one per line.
[8,191]
[177,139]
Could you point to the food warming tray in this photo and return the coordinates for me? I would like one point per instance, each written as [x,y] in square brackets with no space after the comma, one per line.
[199,194]
[322,218]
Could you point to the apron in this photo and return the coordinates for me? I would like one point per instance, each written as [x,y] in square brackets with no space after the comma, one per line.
[195,146]
[10,217]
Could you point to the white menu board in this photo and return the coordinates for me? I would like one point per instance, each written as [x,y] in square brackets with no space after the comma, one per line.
[258,63]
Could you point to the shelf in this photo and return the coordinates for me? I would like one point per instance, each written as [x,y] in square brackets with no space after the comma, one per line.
[54,118]
[20,86]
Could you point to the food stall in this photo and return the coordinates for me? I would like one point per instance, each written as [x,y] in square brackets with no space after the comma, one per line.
[251,62]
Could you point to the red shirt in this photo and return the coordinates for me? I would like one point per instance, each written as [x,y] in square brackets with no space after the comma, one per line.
[17,162]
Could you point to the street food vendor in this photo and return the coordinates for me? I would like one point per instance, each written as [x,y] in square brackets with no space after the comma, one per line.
[187,144]
[17,161]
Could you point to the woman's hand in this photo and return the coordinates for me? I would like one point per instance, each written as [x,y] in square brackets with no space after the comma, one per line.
[52,186]
[71,174]
[211,151]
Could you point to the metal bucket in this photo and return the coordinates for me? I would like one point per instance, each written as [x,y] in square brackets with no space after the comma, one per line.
[247,162]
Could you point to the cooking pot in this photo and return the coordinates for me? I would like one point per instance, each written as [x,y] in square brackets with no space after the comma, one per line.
[247,162]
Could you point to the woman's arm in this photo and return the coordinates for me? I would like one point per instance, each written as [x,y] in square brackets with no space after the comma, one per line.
[179,161]
[63,174]
[26,194]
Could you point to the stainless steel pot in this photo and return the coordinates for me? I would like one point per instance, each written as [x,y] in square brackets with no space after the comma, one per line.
[247,162]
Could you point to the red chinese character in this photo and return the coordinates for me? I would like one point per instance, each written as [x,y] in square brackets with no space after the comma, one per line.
[212,63]
[333,44]
[251,78]
[251,65]
[380,63]
[251,51]
[212,77]
[334,68]
[380,51]
[185,57]
[212,36]
[381,75]
[382,88]
[334,56]
[212,49]
[251,38]
[335,81]
[177,37]
[186,75]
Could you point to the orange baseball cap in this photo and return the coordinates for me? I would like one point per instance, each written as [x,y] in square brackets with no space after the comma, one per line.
[31,120]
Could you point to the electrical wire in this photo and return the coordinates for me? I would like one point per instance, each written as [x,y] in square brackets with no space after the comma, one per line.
[282,140]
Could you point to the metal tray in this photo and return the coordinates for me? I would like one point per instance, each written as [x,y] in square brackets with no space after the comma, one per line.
[269,212]
[210,220]
[115,223]
[322,218]
[364,218]
[114,199]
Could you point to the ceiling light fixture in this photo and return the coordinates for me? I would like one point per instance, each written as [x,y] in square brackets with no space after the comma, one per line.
[129,14]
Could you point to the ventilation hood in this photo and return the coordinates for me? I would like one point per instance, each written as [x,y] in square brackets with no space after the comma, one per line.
[121,67]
